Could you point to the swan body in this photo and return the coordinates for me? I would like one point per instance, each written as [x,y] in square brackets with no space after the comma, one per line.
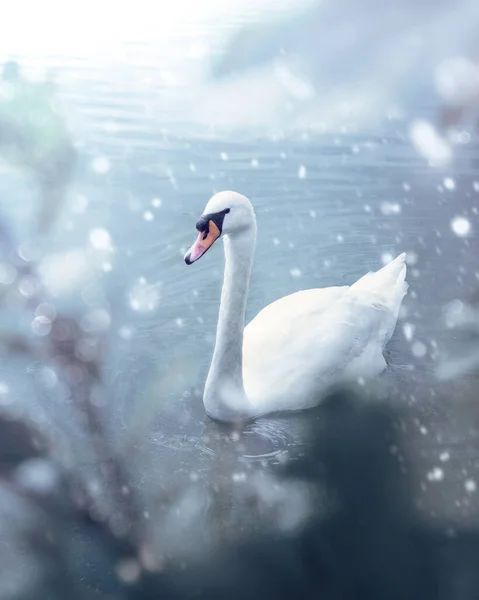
[296,348]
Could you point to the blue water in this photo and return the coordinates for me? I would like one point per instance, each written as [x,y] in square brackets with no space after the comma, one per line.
[330,207]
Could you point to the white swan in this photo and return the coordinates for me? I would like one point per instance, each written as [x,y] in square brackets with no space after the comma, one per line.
[299,346]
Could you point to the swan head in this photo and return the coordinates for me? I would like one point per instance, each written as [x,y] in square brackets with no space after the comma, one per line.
[226,213]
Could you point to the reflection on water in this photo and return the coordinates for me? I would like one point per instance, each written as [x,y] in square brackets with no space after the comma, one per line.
[330,207]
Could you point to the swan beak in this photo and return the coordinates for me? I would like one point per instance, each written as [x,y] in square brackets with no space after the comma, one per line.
[205,240]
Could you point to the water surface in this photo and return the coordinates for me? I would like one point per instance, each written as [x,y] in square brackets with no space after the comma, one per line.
[330,207]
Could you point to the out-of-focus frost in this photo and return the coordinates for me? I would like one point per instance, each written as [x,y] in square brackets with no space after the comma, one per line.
[37,475]
[144,296]
[432,146]
[457,81]
[461,356]
[321,65]
[64,271]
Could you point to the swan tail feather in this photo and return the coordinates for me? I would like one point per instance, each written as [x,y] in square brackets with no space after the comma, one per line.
[387,287]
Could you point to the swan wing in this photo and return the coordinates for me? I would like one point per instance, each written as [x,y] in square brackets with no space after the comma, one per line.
[303,343]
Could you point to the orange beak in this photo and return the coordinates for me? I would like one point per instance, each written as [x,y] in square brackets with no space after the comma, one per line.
[204,241]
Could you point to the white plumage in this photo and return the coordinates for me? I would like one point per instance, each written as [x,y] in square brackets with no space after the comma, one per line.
[300,345]
[296,348]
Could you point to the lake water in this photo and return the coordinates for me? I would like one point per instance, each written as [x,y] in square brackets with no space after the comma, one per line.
[330,207]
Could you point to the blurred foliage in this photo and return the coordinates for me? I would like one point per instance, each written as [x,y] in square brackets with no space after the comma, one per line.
[34,137]
[371,543]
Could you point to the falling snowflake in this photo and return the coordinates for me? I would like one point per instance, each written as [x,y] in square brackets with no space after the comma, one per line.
[144,297]
[224,156]
[100,239]
[408,330]
[449,183]
[302,172]
[101,165]
[461,226]
[429,143]
[436,474]
[156,202]
[295,272]
[470,485]
[148,215]
[386,257]
[390,208]
[411,258]
[128,570]
[126,332]
[38,475]
[419,349]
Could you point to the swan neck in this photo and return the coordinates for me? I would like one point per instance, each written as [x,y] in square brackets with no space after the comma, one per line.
[224,392]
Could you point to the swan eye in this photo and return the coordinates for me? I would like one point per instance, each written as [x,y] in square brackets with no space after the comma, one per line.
[203,225]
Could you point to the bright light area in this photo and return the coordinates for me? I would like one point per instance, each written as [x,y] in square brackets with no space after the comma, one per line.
[87,27]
